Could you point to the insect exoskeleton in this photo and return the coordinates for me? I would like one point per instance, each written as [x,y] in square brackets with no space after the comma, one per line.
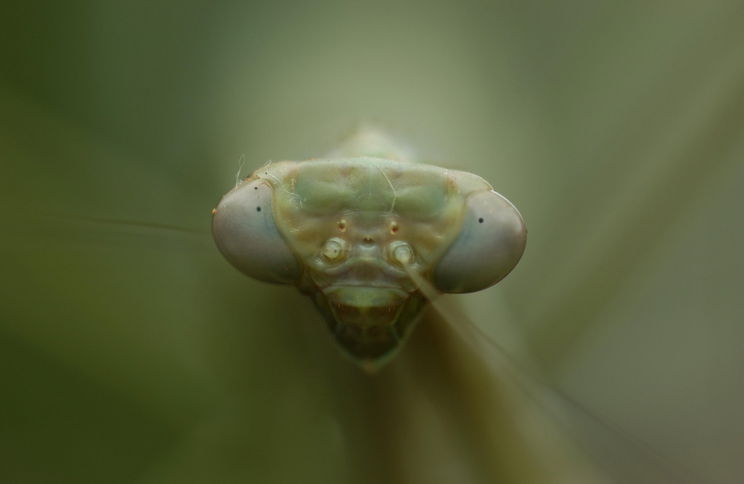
[357,233]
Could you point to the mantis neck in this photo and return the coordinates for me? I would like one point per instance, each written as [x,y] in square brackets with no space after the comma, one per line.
[371,141]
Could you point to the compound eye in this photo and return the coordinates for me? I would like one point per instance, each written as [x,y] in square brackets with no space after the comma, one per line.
[334,249]
[245,231]
[491,242]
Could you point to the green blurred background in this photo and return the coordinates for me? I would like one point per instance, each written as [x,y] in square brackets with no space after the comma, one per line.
[131,353]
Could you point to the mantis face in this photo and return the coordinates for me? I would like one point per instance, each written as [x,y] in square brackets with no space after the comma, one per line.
[361,236]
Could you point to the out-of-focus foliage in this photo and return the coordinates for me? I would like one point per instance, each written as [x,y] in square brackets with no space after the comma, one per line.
[130,353]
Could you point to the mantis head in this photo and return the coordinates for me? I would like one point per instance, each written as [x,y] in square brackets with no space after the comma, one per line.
[361,235]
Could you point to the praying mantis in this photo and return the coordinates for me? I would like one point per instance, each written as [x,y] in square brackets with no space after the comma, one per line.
[372,238]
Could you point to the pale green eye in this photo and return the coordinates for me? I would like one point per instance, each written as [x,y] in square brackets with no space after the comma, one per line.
[490,243]
[245,232]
